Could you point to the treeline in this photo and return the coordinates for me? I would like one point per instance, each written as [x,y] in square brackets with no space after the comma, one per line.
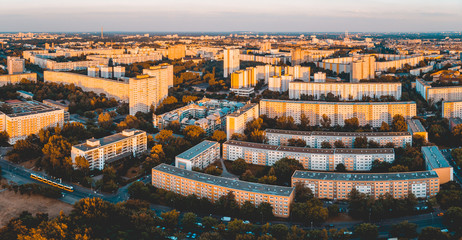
[80,101]
[38,189]
[226,205]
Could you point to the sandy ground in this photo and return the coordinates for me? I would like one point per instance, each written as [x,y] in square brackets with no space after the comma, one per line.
[12,204]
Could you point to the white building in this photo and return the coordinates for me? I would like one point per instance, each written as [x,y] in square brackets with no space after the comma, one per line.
[199,156]
[230,61]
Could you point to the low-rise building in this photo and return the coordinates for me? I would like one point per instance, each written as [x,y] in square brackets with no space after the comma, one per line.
[354,159]
[199,156]
[314,139]
[337,186]
[435,161]
[446,93]
[99,152]
[415,127]
[184,182]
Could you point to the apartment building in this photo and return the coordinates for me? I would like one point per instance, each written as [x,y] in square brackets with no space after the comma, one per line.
[346,91]
[244,78]
[448,93]
[337,186]
[415,127]
[29,117]
[452,109]
[199,156]
[99,152]
[16,78]
[145,91]
[354,159]
[372,113]
[298,72]
[176,51]
[279,83]
[299,55]
[314,139]
[230,61]
[112,88]
[15,65]
[203,185]
[164,72]
[235,122]
[435,161]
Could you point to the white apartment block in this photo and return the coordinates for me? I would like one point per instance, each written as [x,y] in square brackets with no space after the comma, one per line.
[354,159]
[164,72]
[373,113]
[199,156]
[346,91]
[450,93]
[235,122]
[452,109]
[280,83]
[314,139]
[99,152]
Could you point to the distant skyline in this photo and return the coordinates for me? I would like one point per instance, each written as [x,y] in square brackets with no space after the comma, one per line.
[226,16]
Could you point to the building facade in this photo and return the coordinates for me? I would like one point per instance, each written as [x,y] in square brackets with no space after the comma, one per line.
[203,185]
[372,113]
[16,78]
[15,65]
[164,72]
[448,93]
[346,91]
[99,152]
[29,117]
[146,91]
[354,159]
[314,139]
[235,122]
[337,186]
[415,127]
[230,61]
[452,109]
[199,156]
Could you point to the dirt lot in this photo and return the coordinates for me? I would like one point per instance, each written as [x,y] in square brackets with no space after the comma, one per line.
[12,204]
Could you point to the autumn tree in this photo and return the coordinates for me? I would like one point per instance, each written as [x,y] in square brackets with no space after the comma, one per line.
[399,123]
[219,136]
[352,123]
[4,138]
[325,121]
[238,166]
[164,136]
[194,133]
[105,120]
[360,142]
[296,142]
[384,127]
[326,144]
[339,144]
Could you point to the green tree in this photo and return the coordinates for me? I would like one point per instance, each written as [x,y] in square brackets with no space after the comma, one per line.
[432,233]
[238,166]
[265,211]
[404,230]
[302,192]
[360,142]
[339,144]
[285,167]
[170,219]
[279,231]
[4,138]
[340,168]
[209,222]
[453,219]
[189,220]
[326,144]
[399,123]
[366,231]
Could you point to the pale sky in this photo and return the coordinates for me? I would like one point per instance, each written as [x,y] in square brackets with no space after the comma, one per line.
[230,15]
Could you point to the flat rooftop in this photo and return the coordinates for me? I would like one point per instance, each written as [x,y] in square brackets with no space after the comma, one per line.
[311,150]
[243,109]
[337,103]
[108,140]
[226,182]
[196,150]
[434,158]
[415,125]
[342,134]
[24,108]
[364,176]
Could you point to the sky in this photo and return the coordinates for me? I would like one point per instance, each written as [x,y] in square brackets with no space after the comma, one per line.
[230,15]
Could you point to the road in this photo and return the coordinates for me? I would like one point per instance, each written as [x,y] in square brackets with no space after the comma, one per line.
[456,172]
